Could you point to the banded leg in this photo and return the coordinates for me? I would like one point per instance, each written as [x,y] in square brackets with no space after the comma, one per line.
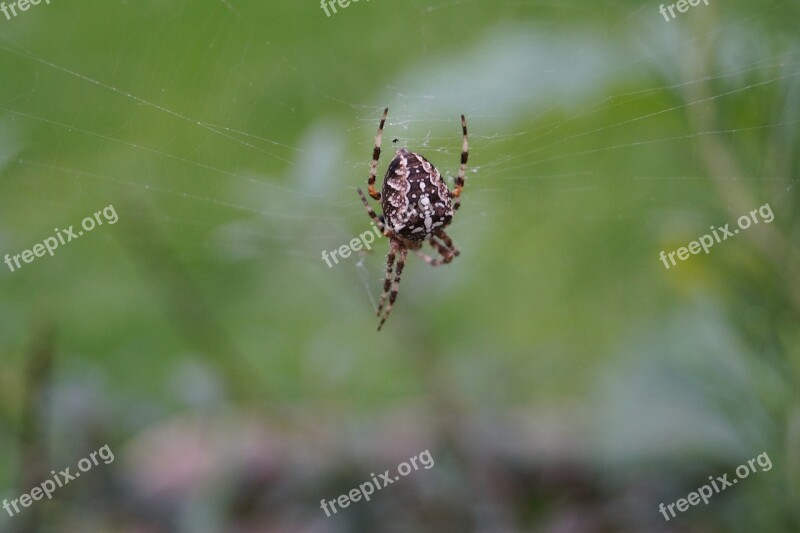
[448,242]
[387,282]
[462,171]
[371,212]
[401,262]
[428,259]
[376,154]
[446,253]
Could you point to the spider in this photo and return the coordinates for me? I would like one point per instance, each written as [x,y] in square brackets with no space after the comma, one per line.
[416,207]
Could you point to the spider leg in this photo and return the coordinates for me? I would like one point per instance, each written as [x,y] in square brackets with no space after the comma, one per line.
[372,214]
[448,242]
[387,282]
[446,253]
[463,169]
[401,261]
[376,154]
[428,259]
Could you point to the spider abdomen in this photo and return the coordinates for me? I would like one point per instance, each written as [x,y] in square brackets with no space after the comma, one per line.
[416,202]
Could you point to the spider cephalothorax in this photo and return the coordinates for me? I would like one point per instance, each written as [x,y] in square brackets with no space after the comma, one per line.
[417,207]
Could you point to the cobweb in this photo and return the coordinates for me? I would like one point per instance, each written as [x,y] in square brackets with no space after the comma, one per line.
[544,102]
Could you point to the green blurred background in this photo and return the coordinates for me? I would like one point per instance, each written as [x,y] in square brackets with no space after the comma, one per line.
[562,378]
